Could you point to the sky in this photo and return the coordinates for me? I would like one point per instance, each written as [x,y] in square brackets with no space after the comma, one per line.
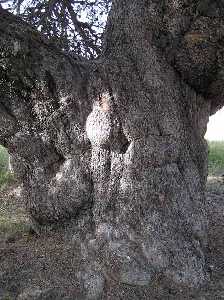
[215,129]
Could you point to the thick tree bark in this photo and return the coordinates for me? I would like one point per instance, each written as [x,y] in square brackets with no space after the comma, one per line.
[44,107]
[144,175]
[158,195]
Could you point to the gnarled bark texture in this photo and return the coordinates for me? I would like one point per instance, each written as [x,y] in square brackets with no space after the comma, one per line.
[121,138]
[44,108]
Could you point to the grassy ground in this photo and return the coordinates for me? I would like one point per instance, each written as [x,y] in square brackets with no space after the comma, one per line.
[5,176]
[10,222]
[216,158]
[3,158]
[13,219]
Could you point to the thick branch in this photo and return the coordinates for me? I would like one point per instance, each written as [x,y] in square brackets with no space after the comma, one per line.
[37,79]
[43,110]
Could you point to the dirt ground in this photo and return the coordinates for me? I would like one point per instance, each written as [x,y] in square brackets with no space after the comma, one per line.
[43,267]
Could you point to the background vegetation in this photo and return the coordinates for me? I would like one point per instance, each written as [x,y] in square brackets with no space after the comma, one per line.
[216,158]
[5,176]
[13,220]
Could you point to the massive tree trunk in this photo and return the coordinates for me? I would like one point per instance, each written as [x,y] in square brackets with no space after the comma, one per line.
[120,139]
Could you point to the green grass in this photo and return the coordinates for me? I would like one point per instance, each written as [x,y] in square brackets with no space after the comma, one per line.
[4,157]
[5,176]
[13,221]
[11,226]
[216,158]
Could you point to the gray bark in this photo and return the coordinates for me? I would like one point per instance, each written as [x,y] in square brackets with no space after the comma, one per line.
[44,107]
[121,138]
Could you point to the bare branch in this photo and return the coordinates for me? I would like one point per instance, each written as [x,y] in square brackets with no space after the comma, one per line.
[80,27]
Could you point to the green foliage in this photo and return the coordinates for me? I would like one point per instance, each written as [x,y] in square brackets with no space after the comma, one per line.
[216,158]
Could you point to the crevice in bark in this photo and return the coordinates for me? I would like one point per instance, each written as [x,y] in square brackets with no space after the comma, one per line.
[52,88]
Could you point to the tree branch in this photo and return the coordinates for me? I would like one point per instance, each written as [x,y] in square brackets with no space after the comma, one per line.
[80,27]
[36,77]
